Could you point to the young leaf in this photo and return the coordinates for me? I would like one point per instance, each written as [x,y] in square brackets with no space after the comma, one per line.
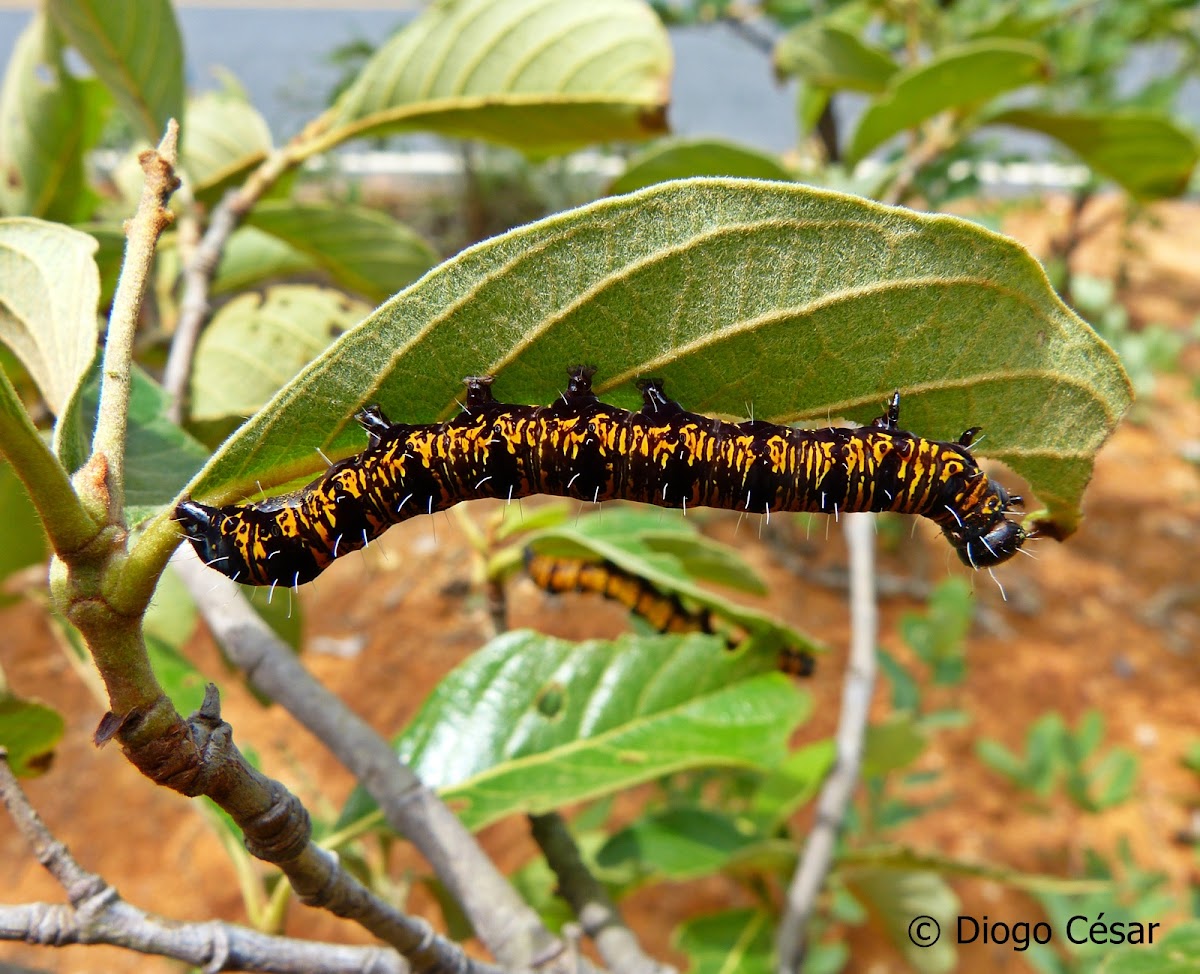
[1178,952]
[30,731]
[50,120]
[801,302]
[226,138]
[641,543]
[49,287]
[681,158]
[959,77]
[363,250]
[158,454]
[531,723]
[135,48]
[833,58]
[796,780]
[896,897]
[257,342]
[252,256]
[736,940]
[675,844]
[24,537]
[1144,153]
[541,75]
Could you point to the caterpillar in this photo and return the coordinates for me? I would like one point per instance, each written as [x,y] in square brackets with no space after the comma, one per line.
[662,610]
[581,447]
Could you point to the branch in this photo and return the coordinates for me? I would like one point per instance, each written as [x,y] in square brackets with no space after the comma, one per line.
[838,789]
[935,139]
[202,266]
[198,757]
[98,915]
[512,931]
[103,477]
[589,900]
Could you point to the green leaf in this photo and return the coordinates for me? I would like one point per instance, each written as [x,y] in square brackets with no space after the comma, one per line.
[962,77]
[159,456]
[833,58]
[135,48]
[905,859]
[675,844]
[30,731]
[642,543]
[1176,953]
[50,120]
[49,287]
[804,303]
[723,943]
[110,253]
[541,75]
[180,679]
[792,784]
[257,342]
[24,538]
[226,137]
[892,745]
[1145,153]
[896,897]
[171,617]
[363,250]
[680,158]
[531,723]
[252,257]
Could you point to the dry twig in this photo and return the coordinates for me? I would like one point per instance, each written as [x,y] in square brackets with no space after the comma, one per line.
[838,789]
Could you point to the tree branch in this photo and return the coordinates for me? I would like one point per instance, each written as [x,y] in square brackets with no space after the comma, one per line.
[512,931]
[202,266]
[98,915]
[838,789]
[589,900]
[142,233]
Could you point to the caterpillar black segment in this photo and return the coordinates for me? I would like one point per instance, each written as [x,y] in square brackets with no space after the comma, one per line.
[581,447]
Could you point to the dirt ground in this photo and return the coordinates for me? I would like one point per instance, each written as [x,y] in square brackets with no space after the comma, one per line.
[1110,620]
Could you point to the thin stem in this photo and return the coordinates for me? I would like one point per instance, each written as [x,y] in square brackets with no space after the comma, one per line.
[152,217]
[98,915]
[202,264]
[836,793]
[589,900]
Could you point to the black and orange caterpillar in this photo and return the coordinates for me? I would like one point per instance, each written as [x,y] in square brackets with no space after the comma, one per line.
[581,447]
[662,610]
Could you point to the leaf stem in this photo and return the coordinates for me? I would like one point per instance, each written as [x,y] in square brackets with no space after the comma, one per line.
[67,523]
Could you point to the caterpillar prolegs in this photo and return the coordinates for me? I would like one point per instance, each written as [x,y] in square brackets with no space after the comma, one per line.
[581,447]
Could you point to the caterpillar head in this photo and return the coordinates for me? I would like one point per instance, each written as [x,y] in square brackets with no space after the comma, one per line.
[201,525]
[985,537]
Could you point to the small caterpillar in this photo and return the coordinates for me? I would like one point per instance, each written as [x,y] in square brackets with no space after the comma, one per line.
[662,610]
[581,447]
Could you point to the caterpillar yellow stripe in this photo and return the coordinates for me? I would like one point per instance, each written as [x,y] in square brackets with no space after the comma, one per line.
[581,447]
